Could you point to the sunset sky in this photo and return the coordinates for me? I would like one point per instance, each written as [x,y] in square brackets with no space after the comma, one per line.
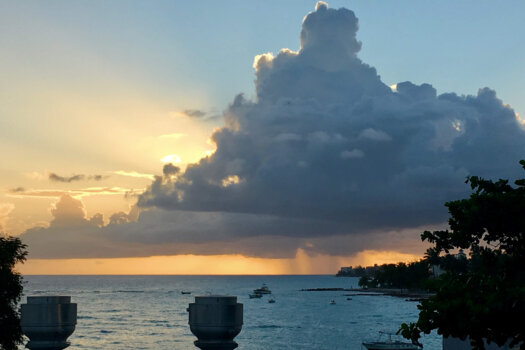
[238,137]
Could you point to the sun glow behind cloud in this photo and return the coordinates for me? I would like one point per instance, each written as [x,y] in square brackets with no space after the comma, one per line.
[521,121]
[134,174]
[171,158]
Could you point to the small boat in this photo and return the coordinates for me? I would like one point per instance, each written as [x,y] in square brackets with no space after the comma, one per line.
[263,290]
[332,302]
[348,298]
[271,300]
[255,296]
[390,344]
[184,292]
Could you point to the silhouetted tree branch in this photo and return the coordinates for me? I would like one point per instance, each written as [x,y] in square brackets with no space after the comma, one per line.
[485,300]
[12,251]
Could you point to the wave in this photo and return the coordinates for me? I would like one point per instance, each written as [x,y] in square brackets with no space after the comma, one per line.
[268,326]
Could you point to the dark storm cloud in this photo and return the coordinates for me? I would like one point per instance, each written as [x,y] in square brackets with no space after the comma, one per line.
[326,139]
[170,170]
[327,158]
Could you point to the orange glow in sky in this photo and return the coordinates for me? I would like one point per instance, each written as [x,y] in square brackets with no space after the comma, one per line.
[302,263]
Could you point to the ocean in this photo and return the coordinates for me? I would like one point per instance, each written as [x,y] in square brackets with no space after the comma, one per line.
[149,312]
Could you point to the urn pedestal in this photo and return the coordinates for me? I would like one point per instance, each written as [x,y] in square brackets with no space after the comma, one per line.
[48,321]
[215,320]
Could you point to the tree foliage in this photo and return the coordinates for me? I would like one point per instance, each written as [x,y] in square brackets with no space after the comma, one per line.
[401,275]
[12,251]
[485,300]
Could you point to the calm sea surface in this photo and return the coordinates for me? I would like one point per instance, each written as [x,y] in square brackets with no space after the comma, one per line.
[149,312]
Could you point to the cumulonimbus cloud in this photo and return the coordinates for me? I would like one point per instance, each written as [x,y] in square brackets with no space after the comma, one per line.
[326,153]
[325,138]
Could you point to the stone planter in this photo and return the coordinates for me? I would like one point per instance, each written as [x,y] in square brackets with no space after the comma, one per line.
[47,321]
[215,320]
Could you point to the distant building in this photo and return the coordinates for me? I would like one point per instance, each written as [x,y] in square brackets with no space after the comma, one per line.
[359,271]
[436,270]
[346,271]
[461,254]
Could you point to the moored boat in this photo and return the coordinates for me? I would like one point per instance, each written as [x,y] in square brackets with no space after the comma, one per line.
[263,290]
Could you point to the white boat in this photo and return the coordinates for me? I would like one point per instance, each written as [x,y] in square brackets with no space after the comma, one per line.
[390,344]
[332,302]
[263,290]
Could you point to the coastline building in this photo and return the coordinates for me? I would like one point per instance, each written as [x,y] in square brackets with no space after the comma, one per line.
[358,271]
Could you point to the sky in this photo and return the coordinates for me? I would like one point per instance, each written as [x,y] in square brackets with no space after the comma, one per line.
[235,137]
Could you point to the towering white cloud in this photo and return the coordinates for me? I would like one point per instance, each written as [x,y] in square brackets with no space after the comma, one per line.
[327,139]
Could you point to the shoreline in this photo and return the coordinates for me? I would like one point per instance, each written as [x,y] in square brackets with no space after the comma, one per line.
[413,295]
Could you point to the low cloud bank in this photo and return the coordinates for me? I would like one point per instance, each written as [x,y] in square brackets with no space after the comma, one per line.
[71,234]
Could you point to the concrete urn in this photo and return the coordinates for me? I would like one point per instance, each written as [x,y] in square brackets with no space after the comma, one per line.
[48,321]
[215,320]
